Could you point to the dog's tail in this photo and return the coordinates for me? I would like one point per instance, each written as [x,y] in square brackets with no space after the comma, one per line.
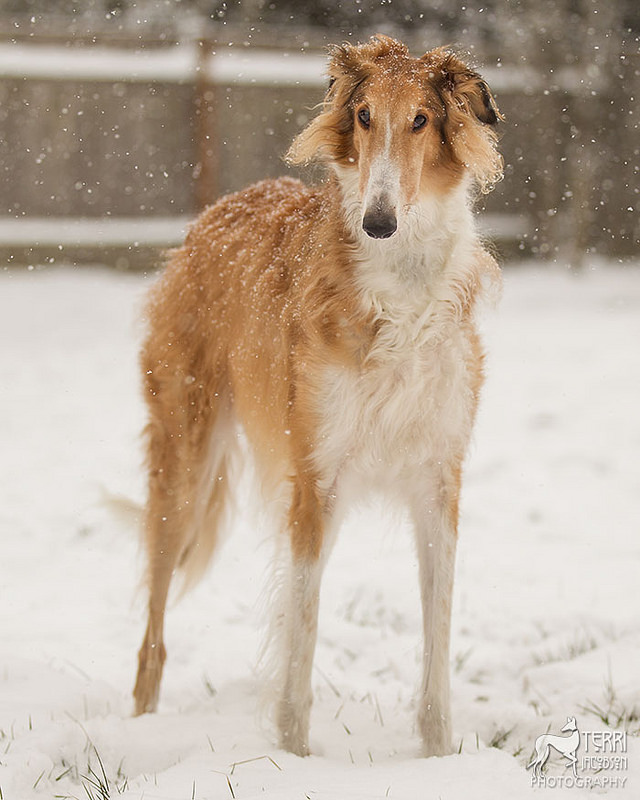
[213,501]
[208,521]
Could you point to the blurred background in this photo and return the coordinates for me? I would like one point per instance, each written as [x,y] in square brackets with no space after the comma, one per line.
[120,119]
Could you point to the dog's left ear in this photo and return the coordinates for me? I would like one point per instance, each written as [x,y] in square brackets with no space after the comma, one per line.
[467,89]
[482,102]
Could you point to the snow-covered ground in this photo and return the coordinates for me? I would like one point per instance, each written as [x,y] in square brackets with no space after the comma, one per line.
[547,605]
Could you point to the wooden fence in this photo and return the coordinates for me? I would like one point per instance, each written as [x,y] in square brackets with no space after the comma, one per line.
[106,152]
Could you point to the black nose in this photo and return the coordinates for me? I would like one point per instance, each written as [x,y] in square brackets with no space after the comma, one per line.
[379,226]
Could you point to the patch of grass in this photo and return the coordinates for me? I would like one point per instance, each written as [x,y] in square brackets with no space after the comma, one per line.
[97,785]
[581,642]
[499,738]
[613,712]
[461,659]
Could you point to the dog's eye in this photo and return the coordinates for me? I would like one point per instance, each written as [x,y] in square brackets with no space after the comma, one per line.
[364,118]
[419,122]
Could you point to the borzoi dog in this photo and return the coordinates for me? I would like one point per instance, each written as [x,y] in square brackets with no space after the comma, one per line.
[335,324]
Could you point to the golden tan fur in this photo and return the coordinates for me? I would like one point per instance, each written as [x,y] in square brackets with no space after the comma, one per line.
[276,299]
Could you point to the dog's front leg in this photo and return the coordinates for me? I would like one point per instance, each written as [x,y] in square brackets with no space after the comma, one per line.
[300,617]
[301,624]
[435,520]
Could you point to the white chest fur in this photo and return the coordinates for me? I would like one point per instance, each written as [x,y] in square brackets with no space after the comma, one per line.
[404,407]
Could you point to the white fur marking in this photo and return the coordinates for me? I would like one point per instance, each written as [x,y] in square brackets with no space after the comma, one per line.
[383,185]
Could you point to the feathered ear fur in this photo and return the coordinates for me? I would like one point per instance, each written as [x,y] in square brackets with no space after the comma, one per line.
[467,88]
[327,137]
[472,113]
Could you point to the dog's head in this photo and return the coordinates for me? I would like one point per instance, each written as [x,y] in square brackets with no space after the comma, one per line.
[410,127]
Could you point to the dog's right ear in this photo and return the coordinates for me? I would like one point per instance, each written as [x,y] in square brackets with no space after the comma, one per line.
[352,63]
[328,136]
[349,65]
[345,58]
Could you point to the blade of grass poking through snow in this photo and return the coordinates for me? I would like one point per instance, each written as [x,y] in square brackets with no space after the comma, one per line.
[121,777]
[378,710]
[99,783]
[500,737]
[251,760]
[612,712]
[209,687]
[325,677]
[461,659]
[61,775]
[93,782]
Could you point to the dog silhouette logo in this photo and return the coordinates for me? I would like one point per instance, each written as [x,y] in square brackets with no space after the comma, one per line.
[565,745]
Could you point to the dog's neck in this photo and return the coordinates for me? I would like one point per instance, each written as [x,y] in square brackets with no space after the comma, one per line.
[434,241]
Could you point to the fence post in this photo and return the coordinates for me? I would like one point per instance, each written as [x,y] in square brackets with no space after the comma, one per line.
[206,178]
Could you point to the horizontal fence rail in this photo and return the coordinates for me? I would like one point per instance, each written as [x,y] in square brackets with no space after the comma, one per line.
[106,152]
[183,63]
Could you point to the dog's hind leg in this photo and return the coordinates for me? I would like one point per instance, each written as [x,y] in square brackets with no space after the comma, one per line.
[164,546]
[187,491]
[298,615]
